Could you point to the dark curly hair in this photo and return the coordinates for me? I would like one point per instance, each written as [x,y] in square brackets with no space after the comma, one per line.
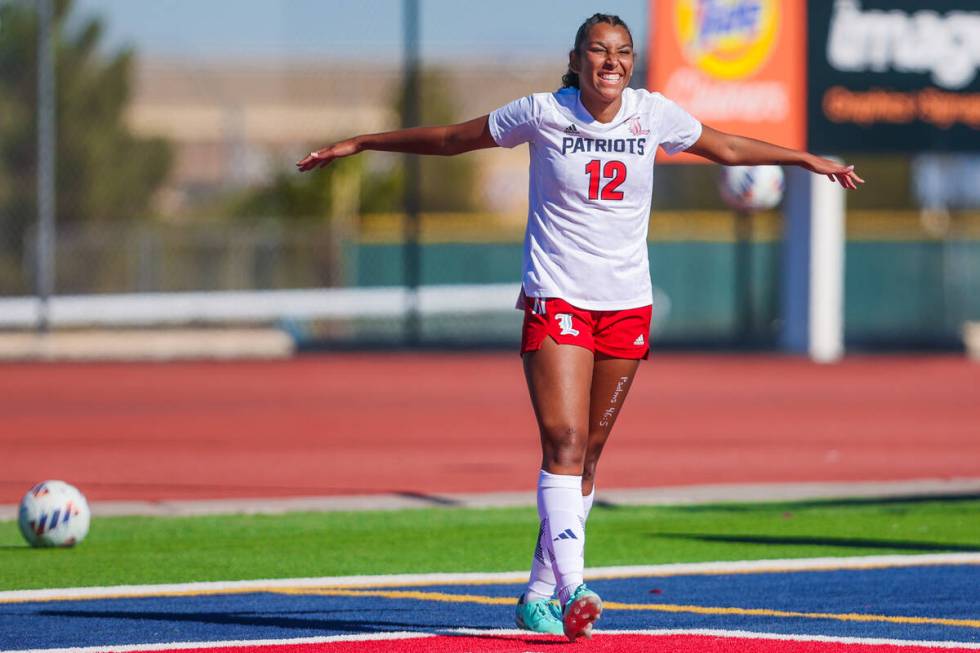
[570,78]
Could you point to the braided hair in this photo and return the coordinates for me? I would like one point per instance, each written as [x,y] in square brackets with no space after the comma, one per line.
[570,78]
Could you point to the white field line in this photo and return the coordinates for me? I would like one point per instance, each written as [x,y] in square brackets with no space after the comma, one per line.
[679,495]
[734,634]
[404,580]
[745,634]
[171,646]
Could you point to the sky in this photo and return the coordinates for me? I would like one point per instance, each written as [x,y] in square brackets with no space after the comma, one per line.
[351,29]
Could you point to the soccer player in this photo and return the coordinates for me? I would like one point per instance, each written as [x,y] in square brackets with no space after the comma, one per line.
[586,291]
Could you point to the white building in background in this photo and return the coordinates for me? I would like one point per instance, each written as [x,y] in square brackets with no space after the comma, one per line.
[234,124]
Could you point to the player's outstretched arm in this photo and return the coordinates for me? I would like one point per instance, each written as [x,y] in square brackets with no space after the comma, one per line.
[733,150]
[444,140]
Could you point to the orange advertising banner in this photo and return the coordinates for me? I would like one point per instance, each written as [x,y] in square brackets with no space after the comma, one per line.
[736,65]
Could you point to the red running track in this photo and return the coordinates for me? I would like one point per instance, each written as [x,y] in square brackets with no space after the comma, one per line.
[371,423]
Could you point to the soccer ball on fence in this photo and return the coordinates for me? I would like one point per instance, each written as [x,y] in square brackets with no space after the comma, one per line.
[54,513]
[751,188]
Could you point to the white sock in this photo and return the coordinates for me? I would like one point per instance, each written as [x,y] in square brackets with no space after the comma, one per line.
[562,513]
[587,502]
[541,585]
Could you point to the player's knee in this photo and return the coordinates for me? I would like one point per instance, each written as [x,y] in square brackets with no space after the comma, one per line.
[564,445]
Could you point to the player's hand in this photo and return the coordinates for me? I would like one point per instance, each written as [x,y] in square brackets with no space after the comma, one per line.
[836,172]
[324,156]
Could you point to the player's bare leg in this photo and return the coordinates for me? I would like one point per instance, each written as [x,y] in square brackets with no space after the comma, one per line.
[560,380]
[611,380]
[536,610]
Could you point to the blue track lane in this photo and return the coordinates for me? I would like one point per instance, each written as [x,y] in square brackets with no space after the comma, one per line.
[939,592]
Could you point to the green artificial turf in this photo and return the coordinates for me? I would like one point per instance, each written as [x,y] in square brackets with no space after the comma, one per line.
[137,550]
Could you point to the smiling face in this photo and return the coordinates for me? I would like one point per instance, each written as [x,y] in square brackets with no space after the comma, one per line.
[604,64]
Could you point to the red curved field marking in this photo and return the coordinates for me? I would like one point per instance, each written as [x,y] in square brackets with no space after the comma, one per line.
[369,423]
[613,644]
[601,643]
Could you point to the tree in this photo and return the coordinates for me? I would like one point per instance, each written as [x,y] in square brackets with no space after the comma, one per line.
[104,172]
[294,197]
[447,183]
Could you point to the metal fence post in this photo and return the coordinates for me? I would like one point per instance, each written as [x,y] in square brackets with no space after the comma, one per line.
[46,153]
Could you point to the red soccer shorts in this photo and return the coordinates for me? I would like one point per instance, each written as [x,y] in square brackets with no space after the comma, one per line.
[618,334]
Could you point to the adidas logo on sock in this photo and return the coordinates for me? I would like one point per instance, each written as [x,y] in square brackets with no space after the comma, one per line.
[571,130]
[566,534]
[639,340]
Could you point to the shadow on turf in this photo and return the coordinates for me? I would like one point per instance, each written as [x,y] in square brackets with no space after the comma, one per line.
[429,498]
[314,625]
[840,542]
[884,502]
[243,619]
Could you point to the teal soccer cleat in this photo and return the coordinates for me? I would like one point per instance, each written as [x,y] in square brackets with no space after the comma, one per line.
[583,608]
[539,617]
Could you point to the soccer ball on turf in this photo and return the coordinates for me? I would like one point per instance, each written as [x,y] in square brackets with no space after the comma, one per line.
[751,188]
[54,513]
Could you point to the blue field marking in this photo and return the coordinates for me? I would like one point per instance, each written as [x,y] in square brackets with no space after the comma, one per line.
[819,602]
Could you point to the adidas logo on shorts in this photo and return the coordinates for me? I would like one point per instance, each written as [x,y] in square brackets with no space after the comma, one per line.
[639,340]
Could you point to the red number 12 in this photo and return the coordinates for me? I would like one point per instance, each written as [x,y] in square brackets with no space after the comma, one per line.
[615,171]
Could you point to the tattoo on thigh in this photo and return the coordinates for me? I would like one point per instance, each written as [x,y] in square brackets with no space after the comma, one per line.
[610,413]
[620,388]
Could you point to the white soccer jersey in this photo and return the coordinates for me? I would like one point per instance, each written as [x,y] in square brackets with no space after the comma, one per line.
[590,191]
